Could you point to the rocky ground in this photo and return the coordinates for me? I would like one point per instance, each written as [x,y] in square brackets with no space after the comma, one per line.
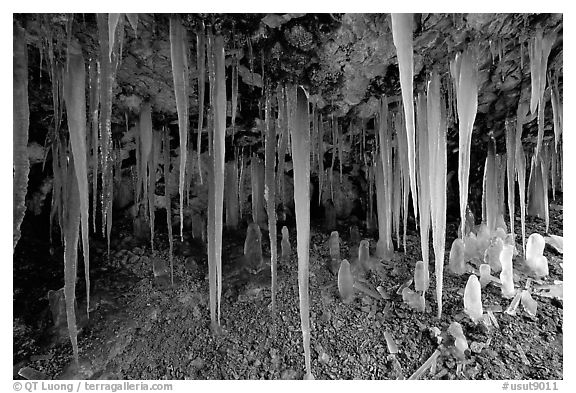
[142,327]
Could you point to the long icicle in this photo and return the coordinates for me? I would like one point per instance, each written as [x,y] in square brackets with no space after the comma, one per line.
[21,123]
[180,76]
[71,224]
[283,119]
[166,159]
[424,184]
[270,192]
[75,100]
[384,246]
[520,158]
[510,169]
[234,99]
[219,153]
[94,104]
[145,139]
[465,74]
[300,131]
[402,30]
[152,163]
[201,65]
[436,117]
[320,157]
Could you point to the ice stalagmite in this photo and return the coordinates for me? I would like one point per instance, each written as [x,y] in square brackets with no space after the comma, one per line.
[465,75]
[179,61]
[402,27]
[436,116]
[300,131]
[201,65]
[219,111]
[384,247]
[270,190]
[75,99]
[168,201]
[424,163]
[510,169]
[21,122]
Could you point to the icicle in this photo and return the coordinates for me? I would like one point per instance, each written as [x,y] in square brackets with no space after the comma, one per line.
[180,75]
[553,170]
[21,123]
[397,187]
[112,23]
[133,20]
[75,99]
[403,157]
[270,191]
[510,169]
[491,188]
[241,177]
[235,91]
[436,116]
[211,84]
[301,162]
[283,119]
[94,103]
[384,247]
[219,111]
[402,34]
[320,157]
[424,163]
[201,64]
[71,224]
[545,167]
[340,146]
[556,110]
[106,81]
[166,157]
[520,158]
[334,129]
[152,163]
[257,180]
[465,74]
[145,139]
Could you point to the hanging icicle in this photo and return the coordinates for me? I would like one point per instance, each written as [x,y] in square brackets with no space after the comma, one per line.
[320,157]
[384,186]
[300,131]
[75,100]
[520,159]
[270,192]
[557,114]
[283,120]
[71,217]
[167,197]
[180,75]
[424,186]
[437,127]
[465,76]
[201,65]
[402,28]
[94,104]
[510,169]
[21,122]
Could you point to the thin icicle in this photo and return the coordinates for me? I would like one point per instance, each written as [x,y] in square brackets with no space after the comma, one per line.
[465,75]
[75,99]
[94,104]
[180,76]
[283,120]
[424,185]
[510,170]
[320,157]
[21,123]
[384,186]
[168,201]
[219,153]
[234,101]
[270,193]
[300,131]
[437,127]
[402,30]
[201,65]
[520,159]
[152,163]
[556,109]
[112,23]
[545,168]
[71,224]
